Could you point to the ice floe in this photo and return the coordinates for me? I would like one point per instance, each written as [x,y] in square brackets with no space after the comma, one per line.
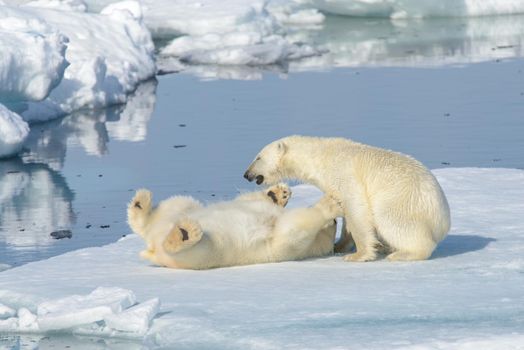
[461,298]
[33,56]
[53,63]
[108,54]
[108,309]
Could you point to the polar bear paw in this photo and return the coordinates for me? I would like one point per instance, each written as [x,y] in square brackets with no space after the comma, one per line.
[329,207]
[279,194]
[361,257]
[183,235]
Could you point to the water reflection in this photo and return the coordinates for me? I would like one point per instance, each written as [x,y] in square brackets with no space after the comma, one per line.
[91,129]
[35,199]
[413,43]
[358,42]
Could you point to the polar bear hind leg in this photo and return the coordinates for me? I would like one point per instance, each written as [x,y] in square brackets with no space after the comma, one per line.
[420,248]
[184,234]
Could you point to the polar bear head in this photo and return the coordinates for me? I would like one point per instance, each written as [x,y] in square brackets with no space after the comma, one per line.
[267,166]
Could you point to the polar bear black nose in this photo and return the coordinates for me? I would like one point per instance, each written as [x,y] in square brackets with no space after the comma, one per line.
[247,177]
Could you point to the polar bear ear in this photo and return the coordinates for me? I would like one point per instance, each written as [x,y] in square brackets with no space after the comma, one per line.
[282,147]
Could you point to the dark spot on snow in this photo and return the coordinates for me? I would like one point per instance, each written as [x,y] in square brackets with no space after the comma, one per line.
[182,125]
[100,175]
[124,235]
[212,194]
[179,146]
[104,226]
[497,160]
[445,163]
[505,47]
[88,225]
[447,114]
[273,196]
[185,234]
[13,172]
[61,234]
[137,205]
[22,230]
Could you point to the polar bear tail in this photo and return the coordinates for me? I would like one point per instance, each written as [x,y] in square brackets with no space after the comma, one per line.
[139,210]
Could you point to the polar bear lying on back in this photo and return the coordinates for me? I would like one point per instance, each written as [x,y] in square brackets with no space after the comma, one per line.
[253,228]
[389,200]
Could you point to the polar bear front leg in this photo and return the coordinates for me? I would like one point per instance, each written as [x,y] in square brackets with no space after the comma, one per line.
[184,234]
[358,220]
[279,194]
[298,228]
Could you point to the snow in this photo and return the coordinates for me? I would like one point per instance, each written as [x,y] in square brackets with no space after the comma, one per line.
[244,34]
[13,132]
[53,63]
[6,312]
[31,76]
[109,55]
[469,295]
[417,8]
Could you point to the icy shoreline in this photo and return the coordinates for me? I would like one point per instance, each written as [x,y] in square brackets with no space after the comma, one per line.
[469,294]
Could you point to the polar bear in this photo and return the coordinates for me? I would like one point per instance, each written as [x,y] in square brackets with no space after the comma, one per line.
[253,228]
[389,200]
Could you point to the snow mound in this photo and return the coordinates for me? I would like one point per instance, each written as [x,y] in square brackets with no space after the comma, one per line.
[6,312]
[417,8]
[109,55]
[232,32]
[112,309]
[13,132]
[293,13]
[467,296]
[33,57]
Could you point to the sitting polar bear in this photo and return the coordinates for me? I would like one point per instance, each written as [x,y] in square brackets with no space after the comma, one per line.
[253,228]
[389,200]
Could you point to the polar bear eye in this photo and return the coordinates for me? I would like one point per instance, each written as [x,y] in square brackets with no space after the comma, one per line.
[257,158]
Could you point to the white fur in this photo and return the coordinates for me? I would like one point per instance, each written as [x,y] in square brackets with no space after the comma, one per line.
[389,199]
[250,229]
